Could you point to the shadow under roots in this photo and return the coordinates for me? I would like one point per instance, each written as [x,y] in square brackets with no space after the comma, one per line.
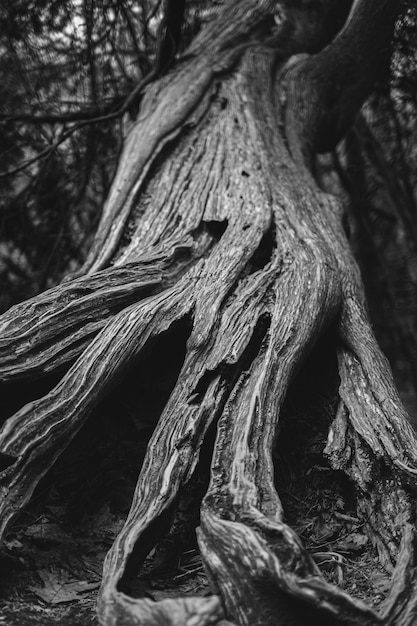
[166,562]
[173,567]
[15,394]
[101,465]
[319,502]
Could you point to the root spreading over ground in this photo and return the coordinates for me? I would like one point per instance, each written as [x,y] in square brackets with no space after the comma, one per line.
[213,230]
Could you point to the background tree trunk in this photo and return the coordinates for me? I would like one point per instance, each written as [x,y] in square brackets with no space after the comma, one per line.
[215,218]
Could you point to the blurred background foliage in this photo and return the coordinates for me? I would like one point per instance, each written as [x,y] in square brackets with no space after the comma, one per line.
[62,64]
[68,66]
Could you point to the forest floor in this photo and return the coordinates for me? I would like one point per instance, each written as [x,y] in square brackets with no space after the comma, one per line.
[50,571]
[51,561]
[50,567]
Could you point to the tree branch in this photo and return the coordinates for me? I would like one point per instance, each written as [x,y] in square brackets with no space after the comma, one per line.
[325,91]
[168,39]
[62,118]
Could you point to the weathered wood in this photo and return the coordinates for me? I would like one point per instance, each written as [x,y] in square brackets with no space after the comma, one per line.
[214,217]
[42,333]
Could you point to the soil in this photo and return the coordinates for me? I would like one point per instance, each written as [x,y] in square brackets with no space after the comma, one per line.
[52,559]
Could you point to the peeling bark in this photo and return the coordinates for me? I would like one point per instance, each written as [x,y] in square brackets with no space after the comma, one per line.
[214,216]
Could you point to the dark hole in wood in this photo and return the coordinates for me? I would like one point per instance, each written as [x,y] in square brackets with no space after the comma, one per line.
[231,372]
[264,252]
[205,237]
[215,228]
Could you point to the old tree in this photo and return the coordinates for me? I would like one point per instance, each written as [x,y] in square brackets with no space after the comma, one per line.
[216,229]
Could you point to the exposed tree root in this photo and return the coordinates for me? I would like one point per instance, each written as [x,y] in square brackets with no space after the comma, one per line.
[238,239]
[43,333]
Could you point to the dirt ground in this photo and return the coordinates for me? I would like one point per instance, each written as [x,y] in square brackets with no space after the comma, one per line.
[51,561]
[50,568]
[50,571]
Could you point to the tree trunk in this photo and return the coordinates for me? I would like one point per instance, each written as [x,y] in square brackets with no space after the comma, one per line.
[215,217]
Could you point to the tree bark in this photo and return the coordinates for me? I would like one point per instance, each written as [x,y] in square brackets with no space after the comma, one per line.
[214,168]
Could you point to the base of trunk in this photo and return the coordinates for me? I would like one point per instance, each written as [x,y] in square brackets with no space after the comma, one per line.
[241,247]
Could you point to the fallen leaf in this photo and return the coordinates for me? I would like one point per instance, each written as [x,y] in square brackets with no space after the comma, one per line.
[46,532]
[57,589]
[355,542]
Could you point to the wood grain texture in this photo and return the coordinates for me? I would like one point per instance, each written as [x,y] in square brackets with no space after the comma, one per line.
[214,217]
